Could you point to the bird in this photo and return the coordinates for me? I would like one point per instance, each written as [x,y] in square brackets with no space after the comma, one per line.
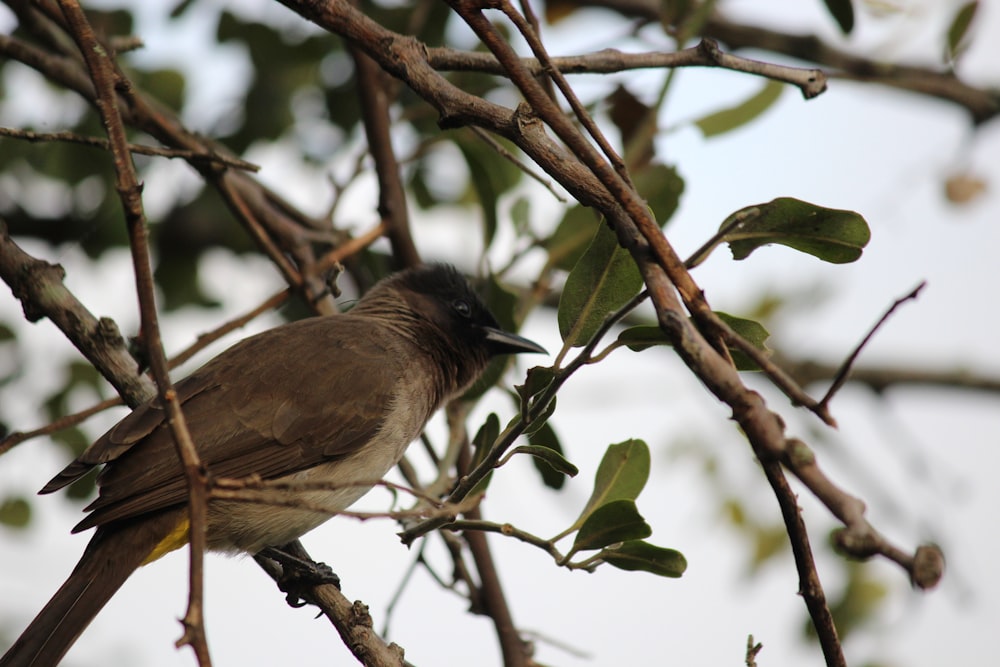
[327,404]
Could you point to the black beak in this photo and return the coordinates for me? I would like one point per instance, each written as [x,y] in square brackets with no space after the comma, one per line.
[502,342]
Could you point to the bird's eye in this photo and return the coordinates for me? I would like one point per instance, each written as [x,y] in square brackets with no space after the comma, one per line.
[462,307]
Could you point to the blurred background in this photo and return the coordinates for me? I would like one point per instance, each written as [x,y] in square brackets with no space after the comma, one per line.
[280,93]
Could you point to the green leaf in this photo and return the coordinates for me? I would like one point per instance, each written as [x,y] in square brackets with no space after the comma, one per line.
[768,542]
[644,336]
[622,474]
[112,22]
[177,273]
[603,281]
[832,235]
[639,555]
[537,380]
[519,216]
[491,176]
[165,85]
[862,597]
[661,186]
[481,444]
[633,119]
[542,418]
[485,437]
[750,330]
[479,177]
[553,475]
[15,512]
[281,72]
[741,114]
[568,243]
[551,458]
[843,13]
[959,28]
[617,521]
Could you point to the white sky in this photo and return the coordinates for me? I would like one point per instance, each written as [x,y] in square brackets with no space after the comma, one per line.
[924,461]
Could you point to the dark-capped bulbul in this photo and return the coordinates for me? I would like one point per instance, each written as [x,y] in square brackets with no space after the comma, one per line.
[328,402]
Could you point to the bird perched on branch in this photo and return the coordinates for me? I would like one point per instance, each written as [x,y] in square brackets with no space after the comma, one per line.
[327,404]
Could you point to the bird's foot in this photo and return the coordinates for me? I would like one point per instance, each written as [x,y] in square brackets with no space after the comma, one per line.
[298,574]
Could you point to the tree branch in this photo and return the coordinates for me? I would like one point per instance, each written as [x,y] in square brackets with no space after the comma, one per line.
[594,179]
[810,81]
[103,74]
[138,149]
[38,286]
[881,377]
[352,620]
[279,229]
[489,593]
[374,92]
[982,104]
[845,368]
[636,230]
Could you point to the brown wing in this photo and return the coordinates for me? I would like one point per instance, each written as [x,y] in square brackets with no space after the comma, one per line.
[279,402]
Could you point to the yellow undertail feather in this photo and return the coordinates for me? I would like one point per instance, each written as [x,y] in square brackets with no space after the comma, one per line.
[177,538]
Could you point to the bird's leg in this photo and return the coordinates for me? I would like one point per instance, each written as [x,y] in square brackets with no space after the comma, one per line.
[298,571]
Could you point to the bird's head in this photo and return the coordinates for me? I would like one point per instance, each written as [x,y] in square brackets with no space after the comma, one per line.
[443,315]
[443,295]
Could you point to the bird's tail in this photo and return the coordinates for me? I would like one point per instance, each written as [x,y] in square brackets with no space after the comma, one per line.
[113,554]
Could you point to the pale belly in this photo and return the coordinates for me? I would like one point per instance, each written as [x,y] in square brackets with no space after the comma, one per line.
[308,498]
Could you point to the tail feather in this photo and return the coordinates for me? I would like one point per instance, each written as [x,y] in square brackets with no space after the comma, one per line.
[112,555]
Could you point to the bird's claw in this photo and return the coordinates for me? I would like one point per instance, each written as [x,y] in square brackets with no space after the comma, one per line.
[299,574]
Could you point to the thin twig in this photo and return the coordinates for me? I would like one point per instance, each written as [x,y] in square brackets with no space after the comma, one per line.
[206,339]
[507,530]
[538,406]
[845,368]
[538,48]
[106,79]
[259,232]
[65,422]
[729,225]
[327,262]
[516,652]
[810,81]
[390,607]
[489,593]
[781,379]
[202,341]
[351,619]
[513,159]
[880,377]
[254,489]
[753,648]
[858,538]
[154,119]
[350,247]
[140,149]
[375,95]
[810,586]
[981,103]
